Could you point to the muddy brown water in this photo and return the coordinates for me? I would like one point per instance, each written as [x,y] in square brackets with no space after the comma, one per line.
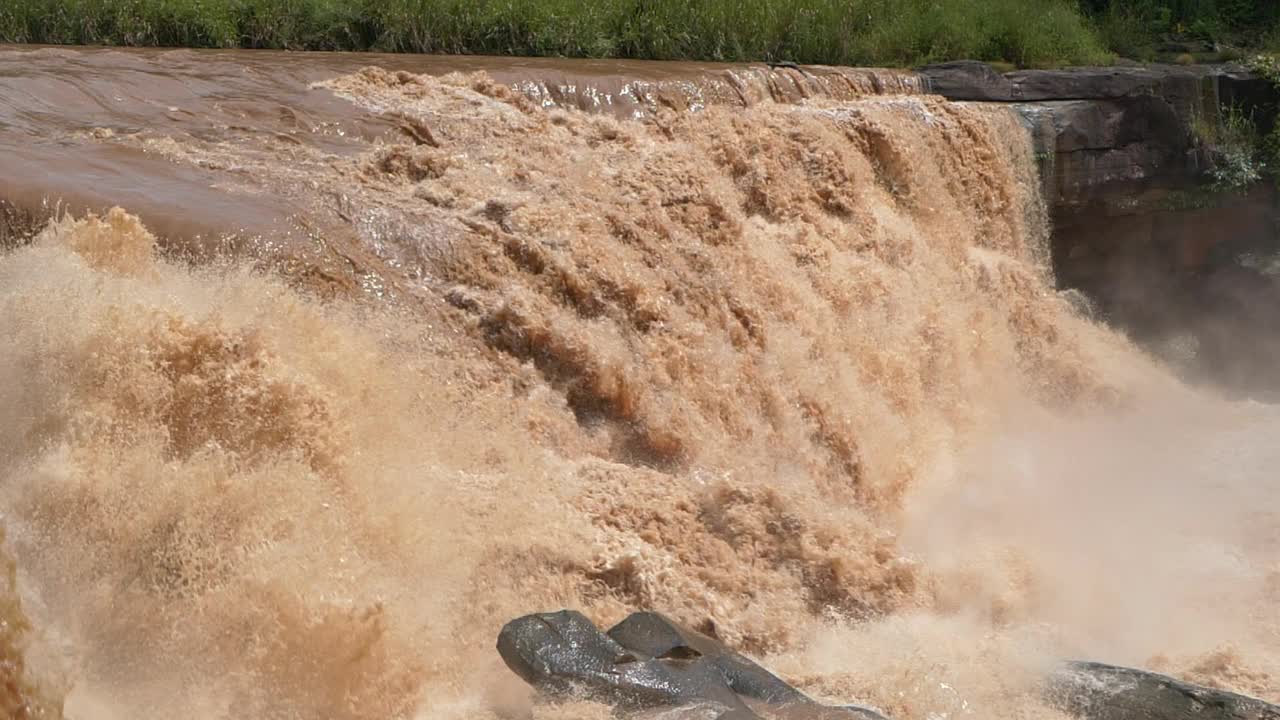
[362,356]
[52,98]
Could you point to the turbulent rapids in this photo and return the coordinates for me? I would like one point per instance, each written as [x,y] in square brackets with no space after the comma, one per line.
[370,361]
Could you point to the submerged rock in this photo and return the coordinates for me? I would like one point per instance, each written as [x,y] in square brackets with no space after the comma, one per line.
[1106,692]
[649,662]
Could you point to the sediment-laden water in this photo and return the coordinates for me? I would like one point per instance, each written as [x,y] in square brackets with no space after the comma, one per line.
[395,355]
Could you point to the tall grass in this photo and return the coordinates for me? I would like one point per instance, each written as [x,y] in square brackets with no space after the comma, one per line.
[849,32]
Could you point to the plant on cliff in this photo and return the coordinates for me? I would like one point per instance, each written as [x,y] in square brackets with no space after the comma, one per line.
[1240,151]
[1267,66]
[1236,149]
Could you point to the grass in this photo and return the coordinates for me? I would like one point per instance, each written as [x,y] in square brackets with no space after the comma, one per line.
[846,32]
[904,33]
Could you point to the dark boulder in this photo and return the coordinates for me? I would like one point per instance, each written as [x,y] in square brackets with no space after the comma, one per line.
[657,636]
[649,662]
[1106,692]
[562,654]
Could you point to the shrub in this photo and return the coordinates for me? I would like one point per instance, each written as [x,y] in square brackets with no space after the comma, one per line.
[1136,27]
[1268,67]
[1237,151]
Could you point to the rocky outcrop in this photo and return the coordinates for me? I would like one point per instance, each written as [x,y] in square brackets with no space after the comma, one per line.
[648,662]
[971,80]
[1095,691]
[1137,225]
[1109,137]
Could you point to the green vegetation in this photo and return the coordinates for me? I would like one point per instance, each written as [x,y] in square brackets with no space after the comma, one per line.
[1268,66]
[851,32]
[1241,152]
[1203,29]
[1237,148]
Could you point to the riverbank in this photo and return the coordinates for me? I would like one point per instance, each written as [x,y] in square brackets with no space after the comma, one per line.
[899,33]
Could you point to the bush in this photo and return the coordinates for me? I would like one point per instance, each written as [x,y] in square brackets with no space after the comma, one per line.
[1128,32]
[1135,28]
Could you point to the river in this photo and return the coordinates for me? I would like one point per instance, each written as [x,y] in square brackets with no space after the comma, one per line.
[359,357]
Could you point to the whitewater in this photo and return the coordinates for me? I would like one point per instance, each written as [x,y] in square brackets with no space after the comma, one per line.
[430,351]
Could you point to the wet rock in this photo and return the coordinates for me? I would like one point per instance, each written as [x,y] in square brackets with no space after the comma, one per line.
[656,636]
[1106,692]
[562,654]
[649,662]
[968,80]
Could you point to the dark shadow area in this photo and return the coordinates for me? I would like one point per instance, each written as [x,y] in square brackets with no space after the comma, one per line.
[1197,286]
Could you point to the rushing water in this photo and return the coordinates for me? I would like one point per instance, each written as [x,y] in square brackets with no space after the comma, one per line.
[417,352]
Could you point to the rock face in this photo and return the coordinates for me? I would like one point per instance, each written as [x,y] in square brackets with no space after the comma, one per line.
[971,80]
[648,662]
[1124,155]
[1114,140]
[1094,691]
